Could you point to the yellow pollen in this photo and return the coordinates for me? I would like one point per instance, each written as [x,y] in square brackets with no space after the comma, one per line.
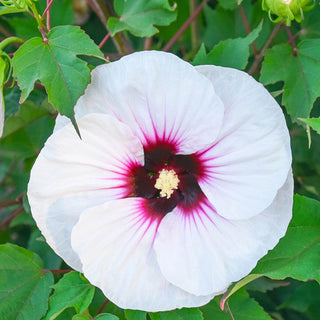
[167,182]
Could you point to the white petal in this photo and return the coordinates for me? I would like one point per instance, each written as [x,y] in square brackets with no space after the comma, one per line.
[202,252]
[159,96]
[72,174]
[249,161]
[114,242]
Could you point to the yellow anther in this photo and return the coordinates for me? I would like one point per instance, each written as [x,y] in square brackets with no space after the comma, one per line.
[167,182]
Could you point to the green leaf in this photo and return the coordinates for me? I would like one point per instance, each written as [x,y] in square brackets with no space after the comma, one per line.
[232,53]
[300,75]
[61,12]
[178,314]
[38,244]
[230,4]
[237,287]
[297,254]
[27,141]
[28,113]
[24,287]
[213,311]
[264,284]
[106,316]
[310,25]
[24,26]
[56,65]
[241,306]
[303,297]
[314,123]
[140,16]
[135,315]
[71,291]
[81,317]
[7,10]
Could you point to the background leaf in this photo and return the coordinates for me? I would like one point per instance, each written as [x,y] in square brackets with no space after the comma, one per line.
[297,254]
[178,314]
[314,123]
[300,75]
[106,316]
[140,16]
[241,306]
[56,65]
[71,291]
[24,288]
[135,315]
[28,112]
[233,53]
[230,4]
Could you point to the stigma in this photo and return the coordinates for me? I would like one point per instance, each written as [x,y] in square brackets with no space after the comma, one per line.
[167,182]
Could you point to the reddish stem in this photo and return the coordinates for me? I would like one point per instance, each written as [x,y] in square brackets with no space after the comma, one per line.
[260,56]
[104,40]
[47,12]
[31,14]
[291,40]
[9,203]
[12,216]
[102,307]
[147,43]
[194,14]
[247,27]
[63,271]
[44,36]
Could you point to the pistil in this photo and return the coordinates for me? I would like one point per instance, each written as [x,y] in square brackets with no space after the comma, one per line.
[167,182]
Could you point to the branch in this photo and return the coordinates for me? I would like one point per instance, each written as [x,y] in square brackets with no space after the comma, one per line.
[63,271]
[194,27]
[247,27]
[47,12]
[102,307]
[12,216]
[103,10]
[147,43]
[104,40]
[291,40]
[9,203]
[194,14]
[260,56]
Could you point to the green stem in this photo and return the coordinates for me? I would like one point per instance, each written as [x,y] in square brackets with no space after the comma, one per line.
[10,40]
[194,27]
[37,16]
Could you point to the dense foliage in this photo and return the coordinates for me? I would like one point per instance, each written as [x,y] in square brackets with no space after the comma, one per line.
[47,50]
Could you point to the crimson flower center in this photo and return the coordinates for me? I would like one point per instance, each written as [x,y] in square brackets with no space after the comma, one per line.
[167,179]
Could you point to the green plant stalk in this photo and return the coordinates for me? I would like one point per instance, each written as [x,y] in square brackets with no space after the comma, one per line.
[10,40]
[36,16]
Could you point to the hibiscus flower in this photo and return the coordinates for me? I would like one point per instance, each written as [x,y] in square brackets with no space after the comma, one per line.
[180,183]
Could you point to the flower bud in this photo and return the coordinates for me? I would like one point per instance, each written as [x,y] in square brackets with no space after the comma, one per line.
[287,10]
[18,4]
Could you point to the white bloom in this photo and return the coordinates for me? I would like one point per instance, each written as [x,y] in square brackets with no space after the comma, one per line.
[180,184]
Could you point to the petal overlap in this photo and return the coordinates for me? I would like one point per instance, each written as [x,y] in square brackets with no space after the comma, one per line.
[201,252]
[158,95]
[251,156]
[72,174]
[115,244]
